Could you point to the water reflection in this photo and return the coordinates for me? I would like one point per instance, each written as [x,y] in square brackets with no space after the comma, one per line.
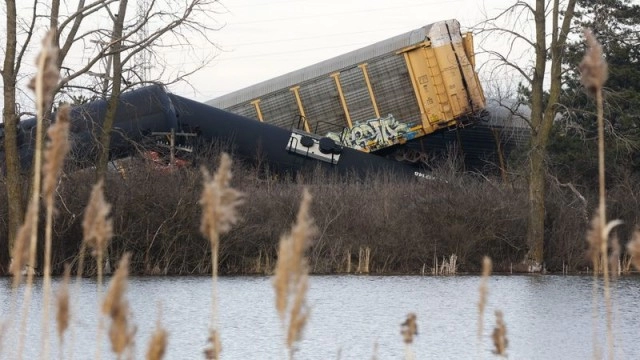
[547,317]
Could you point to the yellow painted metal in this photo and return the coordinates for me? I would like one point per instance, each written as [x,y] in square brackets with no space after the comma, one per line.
[368,82]
[416,90]
[256,104]
[296,92]
[343,101]
[445,83]
[467,42]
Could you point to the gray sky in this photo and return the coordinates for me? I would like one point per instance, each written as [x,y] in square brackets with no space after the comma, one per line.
[262,39]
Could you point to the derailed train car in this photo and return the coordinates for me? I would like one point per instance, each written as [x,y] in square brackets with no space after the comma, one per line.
[139,114]
[144,113]
[382,95]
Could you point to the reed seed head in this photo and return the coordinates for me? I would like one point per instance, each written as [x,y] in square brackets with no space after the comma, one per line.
[48,73]
[409,328]
[97,226]
[633,247]
[614,256]
[63,313]
[214,346]
[22,245]
[57,149]
[299,312]
[499,336]
[593,67]
[116,307]
[291,279]
[484,291]
[219,201]
[158,344]
[595,241]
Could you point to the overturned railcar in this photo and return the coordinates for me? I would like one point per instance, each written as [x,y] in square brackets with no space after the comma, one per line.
[139,114]
[147,113]
[382,95]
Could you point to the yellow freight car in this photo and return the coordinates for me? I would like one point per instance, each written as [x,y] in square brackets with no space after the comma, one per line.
[384,94]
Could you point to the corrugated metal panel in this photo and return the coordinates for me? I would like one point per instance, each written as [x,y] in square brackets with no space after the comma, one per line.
[279,108]
[357,95]
[338,63]
[244,109]
[393,89]
[322,105]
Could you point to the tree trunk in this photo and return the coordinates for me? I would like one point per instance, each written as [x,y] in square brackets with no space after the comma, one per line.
[112,105]
[12,159]
[535,230]
[542,116]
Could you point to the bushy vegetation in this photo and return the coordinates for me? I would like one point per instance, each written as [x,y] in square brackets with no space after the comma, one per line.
[406,223]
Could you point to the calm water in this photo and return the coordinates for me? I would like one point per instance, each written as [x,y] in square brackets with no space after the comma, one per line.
[547,317]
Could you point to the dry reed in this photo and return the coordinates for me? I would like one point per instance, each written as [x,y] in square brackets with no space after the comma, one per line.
[408,330]
[633,247]
[499,336]
[116,306]
[219,203]
[97,227]
[43,83]
[595,239]
[63,313]
[594,73]
[484,292]
[290,281]
[57,149]
[214,345]
[21,246]
[97,230]
[158,343]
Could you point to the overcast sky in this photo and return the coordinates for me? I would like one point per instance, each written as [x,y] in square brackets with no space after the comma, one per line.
[262,39]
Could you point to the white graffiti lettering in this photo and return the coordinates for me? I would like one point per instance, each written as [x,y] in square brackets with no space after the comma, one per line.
[374,134]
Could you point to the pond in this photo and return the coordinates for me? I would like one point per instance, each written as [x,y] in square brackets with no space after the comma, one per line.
[352,317]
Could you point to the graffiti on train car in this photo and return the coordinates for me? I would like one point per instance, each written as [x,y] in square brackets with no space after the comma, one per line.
[375,134]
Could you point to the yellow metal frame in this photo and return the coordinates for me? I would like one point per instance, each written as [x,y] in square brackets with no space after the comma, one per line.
[296,92]
[368,82]
[416,88]
[343,101]
[256,104]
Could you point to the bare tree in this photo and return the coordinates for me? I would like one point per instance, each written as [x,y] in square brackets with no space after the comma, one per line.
[182,25]
[10,71]
[174,24]
[547,51]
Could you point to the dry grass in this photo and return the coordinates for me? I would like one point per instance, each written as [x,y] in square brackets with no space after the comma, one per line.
[57,150]
[21,247]
[45,80]
[63,314]
[594,73]
[291,274]
[219,203]
[408,330]
[499,336]
[158,343]
[116,306]
[633,247]
[484,293]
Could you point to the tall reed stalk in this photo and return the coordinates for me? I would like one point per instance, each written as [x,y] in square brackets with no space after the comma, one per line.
[219,203]
[482,302]
[408,330]
[594,73]
[97,230]
[54,159]
[291,279]
[45,80]
[63,314]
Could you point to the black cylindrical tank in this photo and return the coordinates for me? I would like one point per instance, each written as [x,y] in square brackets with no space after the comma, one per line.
[283,149]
